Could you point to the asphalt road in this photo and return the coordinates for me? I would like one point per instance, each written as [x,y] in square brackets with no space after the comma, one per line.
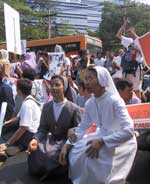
[15,171]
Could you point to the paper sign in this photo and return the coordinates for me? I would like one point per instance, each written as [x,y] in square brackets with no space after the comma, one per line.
[56,62]
[12,27]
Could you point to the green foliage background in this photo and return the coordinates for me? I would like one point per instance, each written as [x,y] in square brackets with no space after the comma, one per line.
[112,19]
[33,19]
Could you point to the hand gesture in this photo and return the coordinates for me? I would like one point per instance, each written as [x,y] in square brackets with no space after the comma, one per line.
[71,135]
[33,145]
[94,148]
[3,147]
[63,154]
[125,21]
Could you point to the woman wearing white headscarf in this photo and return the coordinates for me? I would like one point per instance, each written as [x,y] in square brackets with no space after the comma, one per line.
[106,156]
[5,61]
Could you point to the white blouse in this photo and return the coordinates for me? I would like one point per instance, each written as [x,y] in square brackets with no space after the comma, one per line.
[57,108]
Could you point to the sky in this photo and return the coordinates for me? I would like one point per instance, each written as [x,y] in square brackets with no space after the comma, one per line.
[122,1]
[144,1]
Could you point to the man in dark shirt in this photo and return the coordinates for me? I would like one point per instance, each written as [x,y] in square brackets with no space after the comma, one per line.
[6,94]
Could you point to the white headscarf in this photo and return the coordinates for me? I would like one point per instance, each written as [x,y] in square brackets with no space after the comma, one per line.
[4,54]
[105,80]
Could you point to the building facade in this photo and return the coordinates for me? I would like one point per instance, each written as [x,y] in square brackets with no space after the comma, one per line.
[79,16]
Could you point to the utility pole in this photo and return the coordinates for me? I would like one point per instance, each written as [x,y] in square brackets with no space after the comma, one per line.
[49,25]
[125,9]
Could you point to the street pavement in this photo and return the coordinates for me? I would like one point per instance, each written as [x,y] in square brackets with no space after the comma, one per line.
[15,171]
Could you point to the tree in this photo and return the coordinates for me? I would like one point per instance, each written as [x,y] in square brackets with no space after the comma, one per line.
[33,18]
[112,18]
[64,30]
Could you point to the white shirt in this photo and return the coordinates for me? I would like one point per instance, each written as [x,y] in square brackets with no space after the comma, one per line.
[57,107]
[125,41]
[30,114]
[99,62]
[117,60]
[67,61]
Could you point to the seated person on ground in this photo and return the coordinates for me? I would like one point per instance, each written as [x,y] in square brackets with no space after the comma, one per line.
[58,115]
[6,94]
[29,118]
[107,154]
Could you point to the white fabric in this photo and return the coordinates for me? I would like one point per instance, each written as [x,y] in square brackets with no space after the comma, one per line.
[115,127]
[117,155]
[2,115]
[105,80]
[31,59]
[117,60]
[136,80]
[57,108]
[118,73]
[67,61]
[5,55]
[99,62]
[30,114]
[125,41]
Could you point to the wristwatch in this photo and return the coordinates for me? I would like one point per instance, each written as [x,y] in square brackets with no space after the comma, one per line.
[7,144]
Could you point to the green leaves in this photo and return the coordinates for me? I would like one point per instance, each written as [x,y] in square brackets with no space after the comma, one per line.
[33,18]
[112,19]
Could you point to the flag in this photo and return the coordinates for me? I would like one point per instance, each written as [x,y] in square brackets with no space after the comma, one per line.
[144,42]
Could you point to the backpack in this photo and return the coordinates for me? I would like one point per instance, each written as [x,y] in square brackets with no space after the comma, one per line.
[129,64]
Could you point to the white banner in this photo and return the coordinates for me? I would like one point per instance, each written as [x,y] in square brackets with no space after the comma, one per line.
[2,115]
[56,64]
[12,28]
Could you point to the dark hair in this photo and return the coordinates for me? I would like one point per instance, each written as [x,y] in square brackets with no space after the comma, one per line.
[29,73]
[98,52]
[83,52]
[25,85]
[58,77]
[123,83]
[92,69]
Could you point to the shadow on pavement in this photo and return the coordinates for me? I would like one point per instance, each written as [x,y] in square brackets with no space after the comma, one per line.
[15,171]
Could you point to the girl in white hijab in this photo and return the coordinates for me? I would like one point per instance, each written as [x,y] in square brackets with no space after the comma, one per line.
[4,59]
[105,156]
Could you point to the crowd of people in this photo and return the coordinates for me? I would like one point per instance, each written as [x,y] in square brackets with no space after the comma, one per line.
[91,91]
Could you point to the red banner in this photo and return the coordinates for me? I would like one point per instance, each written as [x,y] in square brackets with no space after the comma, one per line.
[140,114]
[145,47]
